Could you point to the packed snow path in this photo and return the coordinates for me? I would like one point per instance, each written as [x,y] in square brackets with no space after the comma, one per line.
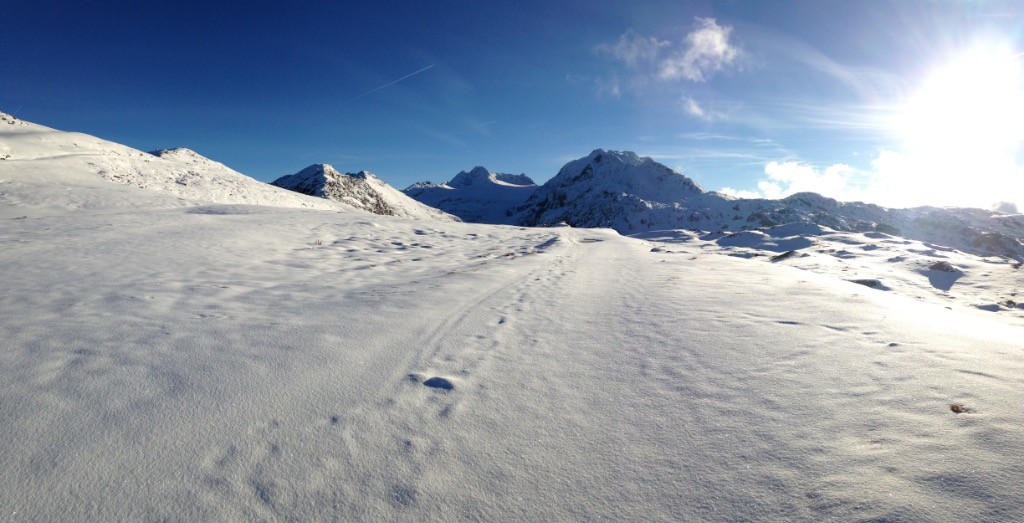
[234,362]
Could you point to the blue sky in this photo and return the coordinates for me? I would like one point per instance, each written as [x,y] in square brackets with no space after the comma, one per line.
[858,100]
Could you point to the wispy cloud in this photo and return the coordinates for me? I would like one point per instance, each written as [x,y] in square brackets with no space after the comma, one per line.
[604,87]
[609,88]
[707,50]
[633,49]
[710,136]
[703,52]
[691,106]
[707,112]
[650,62]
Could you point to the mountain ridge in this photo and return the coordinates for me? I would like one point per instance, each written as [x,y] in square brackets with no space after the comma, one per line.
[361,190]
[477,195]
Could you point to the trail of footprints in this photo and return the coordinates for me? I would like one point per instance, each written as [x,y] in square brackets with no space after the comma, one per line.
[258,478]
[447,390]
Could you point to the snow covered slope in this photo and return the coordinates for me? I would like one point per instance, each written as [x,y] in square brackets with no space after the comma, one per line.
[163,359]
[478,196]
[28,149]
[971,230]
[630,194]
[914,269]
[361,190]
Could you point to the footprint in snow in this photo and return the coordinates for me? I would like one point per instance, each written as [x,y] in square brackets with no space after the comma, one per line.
[436,382]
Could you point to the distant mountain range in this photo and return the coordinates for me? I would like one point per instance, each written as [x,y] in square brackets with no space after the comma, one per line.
[632,194]
[613,189]
[476,196]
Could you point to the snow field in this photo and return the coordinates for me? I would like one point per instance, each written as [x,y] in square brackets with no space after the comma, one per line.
[216,362]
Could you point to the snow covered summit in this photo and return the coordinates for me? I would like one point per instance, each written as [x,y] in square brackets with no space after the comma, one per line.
[481,176]
[361,190]
[616,189]
[477,195]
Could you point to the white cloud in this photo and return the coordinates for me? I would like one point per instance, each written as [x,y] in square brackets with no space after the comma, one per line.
[633,49]
[705,111]
[691,106]
[707,50]
[785,178]
[900,180]
[738,193]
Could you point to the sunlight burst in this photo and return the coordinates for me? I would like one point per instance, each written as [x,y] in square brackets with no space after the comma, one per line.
[974,105]
[962,130]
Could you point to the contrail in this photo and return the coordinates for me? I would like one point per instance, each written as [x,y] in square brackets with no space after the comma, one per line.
[389,84]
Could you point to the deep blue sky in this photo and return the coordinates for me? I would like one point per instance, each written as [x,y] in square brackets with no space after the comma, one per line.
[799,94]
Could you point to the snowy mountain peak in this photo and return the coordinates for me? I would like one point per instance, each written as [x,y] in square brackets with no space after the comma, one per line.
[476,175]
[477,195]
[625,171]
[317,170]
[361,190]
[625,157]
[617,189]
[520,179]
[481,176]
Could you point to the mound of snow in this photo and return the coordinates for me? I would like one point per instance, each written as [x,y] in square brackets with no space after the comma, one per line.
[361,190]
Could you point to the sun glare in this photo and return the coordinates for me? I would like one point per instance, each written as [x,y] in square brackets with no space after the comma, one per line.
[972,104]
[964,126]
